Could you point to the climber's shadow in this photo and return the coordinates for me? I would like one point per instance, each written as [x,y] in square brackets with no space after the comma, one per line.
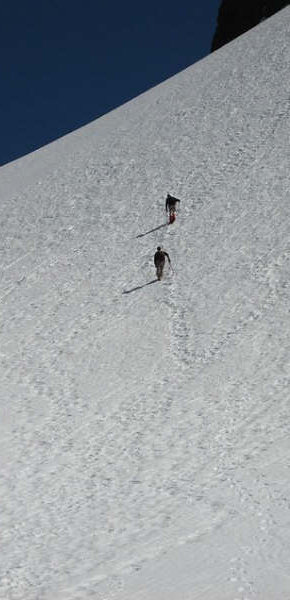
[139,287]
[151,230]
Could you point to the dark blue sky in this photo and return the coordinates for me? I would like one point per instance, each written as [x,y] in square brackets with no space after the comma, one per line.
[65,63]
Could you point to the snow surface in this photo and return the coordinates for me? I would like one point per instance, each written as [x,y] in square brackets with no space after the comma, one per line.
[145,428]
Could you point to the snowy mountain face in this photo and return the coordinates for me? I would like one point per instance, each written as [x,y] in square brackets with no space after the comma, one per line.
[145,425]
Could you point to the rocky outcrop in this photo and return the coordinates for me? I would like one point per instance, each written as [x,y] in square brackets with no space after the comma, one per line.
[237,16]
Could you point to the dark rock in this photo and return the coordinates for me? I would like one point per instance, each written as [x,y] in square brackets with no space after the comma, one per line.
[237,16]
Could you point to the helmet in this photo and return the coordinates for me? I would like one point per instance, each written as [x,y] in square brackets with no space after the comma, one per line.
[158,248]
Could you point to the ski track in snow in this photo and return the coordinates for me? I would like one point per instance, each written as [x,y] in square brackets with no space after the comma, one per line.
[143,421]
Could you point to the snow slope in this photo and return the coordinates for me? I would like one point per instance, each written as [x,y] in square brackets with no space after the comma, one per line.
[145,426]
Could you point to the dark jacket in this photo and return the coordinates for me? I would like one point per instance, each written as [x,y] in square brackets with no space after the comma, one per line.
[170,202]
[159,257]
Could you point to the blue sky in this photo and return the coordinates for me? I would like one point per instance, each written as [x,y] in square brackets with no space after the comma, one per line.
[66,63]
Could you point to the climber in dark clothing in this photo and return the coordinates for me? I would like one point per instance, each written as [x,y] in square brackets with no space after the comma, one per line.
[159,261]
[170,202]
[170,207]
